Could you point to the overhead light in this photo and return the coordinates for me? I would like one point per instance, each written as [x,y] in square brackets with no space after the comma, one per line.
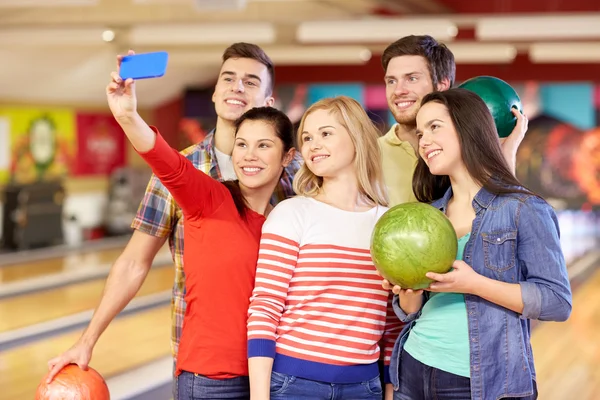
[108,35]
[319,55]
[51,37]
[282,55]
[202,5]
[538,27]
[373,30]
[194,34]
[482,53]
[565,52]
[46,3]
[219,5]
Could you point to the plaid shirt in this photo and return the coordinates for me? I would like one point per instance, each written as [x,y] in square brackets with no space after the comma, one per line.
[159,215]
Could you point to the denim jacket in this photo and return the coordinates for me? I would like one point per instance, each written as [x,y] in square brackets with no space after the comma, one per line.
[515,239]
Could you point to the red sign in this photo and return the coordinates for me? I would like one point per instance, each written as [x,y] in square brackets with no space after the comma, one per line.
[100,144]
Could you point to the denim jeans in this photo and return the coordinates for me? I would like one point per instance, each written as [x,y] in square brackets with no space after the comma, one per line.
[421,382]
[287,387]
[175,396]
[197,387]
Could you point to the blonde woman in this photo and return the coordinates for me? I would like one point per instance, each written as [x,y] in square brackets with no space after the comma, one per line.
[318,311]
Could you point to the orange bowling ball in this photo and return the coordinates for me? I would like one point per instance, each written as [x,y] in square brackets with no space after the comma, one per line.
[73,383]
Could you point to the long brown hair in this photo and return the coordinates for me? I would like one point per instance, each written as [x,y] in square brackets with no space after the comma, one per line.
[480,148]
[284,130]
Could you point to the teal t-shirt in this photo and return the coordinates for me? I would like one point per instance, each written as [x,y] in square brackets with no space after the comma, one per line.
[440,337]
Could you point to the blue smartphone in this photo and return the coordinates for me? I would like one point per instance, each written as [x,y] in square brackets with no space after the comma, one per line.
[144,65]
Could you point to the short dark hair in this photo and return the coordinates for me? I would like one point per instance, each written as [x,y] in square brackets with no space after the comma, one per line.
[439,57]
[480,148]
[254,52]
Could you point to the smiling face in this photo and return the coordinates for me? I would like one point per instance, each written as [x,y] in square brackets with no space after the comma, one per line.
[327,148]
[258,154]
[407,81]
[243,83]
[438,140]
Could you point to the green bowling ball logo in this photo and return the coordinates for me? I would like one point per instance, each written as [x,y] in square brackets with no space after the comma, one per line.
[42,143]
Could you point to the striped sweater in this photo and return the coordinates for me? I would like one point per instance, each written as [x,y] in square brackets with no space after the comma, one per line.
[318,307]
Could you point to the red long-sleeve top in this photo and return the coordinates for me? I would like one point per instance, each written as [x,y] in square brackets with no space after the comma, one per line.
[220,257]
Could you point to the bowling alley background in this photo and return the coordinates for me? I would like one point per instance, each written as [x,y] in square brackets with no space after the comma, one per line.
[559,158]
[70,183]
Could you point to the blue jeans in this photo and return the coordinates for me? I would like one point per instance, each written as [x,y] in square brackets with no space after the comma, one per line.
[197,387]
[175,395]
[421,382]
[287,387]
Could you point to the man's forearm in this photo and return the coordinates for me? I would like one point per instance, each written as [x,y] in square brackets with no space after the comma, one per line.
[124,281]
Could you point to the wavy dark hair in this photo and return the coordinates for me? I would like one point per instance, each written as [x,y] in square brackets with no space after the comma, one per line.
[284,129]
[480,148]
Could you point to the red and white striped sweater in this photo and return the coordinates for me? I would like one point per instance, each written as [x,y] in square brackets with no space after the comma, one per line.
[318,307]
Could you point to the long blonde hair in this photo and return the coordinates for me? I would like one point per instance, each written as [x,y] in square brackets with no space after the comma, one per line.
[364,135]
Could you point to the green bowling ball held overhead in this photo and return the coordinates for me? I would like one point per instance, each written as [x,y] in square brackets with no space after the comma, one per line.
[410,240]
[500,98]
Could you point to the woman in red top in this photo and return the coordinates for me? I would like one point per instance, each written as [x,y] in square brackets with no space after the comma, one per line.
[222,230]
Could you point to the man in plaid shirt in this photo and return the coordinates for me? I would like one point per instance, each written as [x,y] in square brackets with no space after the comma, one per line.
[245,81]
[159,215]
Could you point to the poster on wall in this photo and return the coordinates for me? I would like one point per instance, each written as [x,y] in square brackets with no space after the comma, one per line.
[41,143]
[377,107]
[597,104]
[317,92]
[559,157]
[100,144]
[192,131]
[292,100]
[199,117]
[4,149]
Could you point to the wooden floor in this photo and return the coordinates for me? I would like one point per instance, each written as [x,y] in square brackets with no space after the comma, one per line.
[11,273]
[38,307]
[88,260]
[129,342]
[567,355]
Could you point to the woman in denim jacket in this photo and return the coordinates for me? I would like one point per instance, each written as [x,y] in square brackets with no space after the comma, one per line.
[468,335]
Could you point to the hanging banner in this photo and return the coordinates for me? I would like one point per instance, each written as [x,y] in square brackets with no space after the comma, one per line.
[41,143]
[100,144]
[4,149]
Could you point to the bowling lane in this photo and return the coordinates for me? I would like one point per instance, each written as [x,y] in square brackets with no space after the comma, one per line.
[70,262]
[43,306]
[129,342]
[567,354]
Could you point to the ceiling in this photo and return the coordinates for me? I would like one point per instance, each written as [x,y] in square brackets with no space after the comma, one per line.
[53,51]
[520,6]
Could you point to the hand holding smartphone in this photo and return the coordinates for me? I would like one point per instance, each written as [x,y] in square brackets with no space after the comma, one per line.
[144,65]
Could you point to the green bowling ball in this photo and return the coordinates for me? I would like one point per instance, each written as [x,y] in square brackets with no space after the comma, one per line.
[411,239]
[499,97]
